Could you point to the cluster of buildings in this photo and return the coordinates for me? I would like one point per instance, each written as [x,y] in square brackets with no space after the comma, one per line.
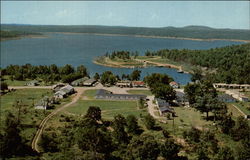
[61,91]
[130,84]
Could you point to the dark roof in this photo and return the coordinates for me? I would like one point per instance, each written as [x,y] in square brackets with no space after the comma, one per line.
[162,102]
[166,109]
[226,97]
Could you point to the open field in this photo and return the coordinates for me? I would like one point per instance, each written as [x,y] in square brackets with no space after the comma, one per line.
[139,91]
[30,117]
[233,110]
[109,108]
[90,94]
[27,96]
[243,107]
[118,63]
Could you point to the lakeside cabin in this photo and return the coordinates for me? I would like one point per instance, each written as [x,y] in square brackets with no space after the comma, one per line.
[32,83]
[104,94]
[174,84]
[138,84]
[163,106]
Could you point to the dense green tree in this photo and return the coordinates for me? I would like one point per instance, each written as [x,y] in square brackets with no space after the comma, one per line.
[226,123]
[135,75]
[170,150]
[119,132]
[149,122]
[143,147]
[82,70]
[241,129]
[163,91]
[196,74]
[108,78]
[67,69]
[4,86]
[225,153]
[96,76]
[157,78]
[192,135]
[132,124]
[93,113]
[243,150]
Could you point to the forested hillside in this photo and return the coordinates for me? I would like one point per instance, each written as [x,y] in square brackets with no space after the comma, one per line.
[199,32]
[232,63]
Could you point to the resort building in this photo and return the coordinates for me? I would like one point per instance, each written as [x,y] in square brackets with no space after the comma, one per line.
[232,86]
[174,84]
[226,98]
[163,106]
[138,84]
[104,94]
[124,84]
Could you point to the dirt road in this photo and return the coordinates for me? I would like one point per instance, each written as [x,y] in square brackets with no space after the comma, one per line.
[45,120]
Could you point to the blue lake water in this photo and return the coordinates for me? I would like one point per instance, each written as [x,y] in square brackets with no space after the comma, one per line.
[77,49]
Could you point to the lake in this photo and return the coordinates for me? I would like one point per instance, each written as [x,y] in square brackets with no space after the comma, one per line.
[77,49]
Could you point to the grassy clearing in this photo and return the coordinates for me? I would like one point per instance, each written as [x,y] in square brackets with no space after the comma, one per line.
[109,108]
[30,117]
[90,94]
[28,97]
[158,59]
[140,91]
[235,112]
[242,108]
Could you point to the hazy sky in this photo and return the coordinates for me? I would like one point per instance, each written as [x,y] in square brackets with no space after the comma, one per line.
[222,14]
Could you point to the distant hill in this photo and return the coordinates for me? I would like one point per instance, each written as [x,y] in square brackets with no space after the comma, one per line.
[199,32]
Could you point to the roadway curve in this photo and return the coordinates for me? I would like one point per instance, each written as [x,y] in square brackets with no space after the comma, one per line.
[45,120]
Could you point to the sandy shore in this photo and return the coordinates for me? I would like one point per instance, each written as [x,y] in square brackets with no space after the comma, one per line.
[155,64]
[163,37]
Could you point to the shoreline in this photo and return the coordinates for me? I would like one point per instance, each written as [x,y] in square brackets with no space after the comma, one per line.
[155,64]
[158,37]
[24,36]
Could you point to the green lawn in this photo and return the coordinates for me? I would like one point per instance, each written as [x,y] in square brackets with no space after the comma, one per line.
[140,91]
[27,96]
[231,109]
[109,108]
[30,117]
[90,94]
[242,108]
